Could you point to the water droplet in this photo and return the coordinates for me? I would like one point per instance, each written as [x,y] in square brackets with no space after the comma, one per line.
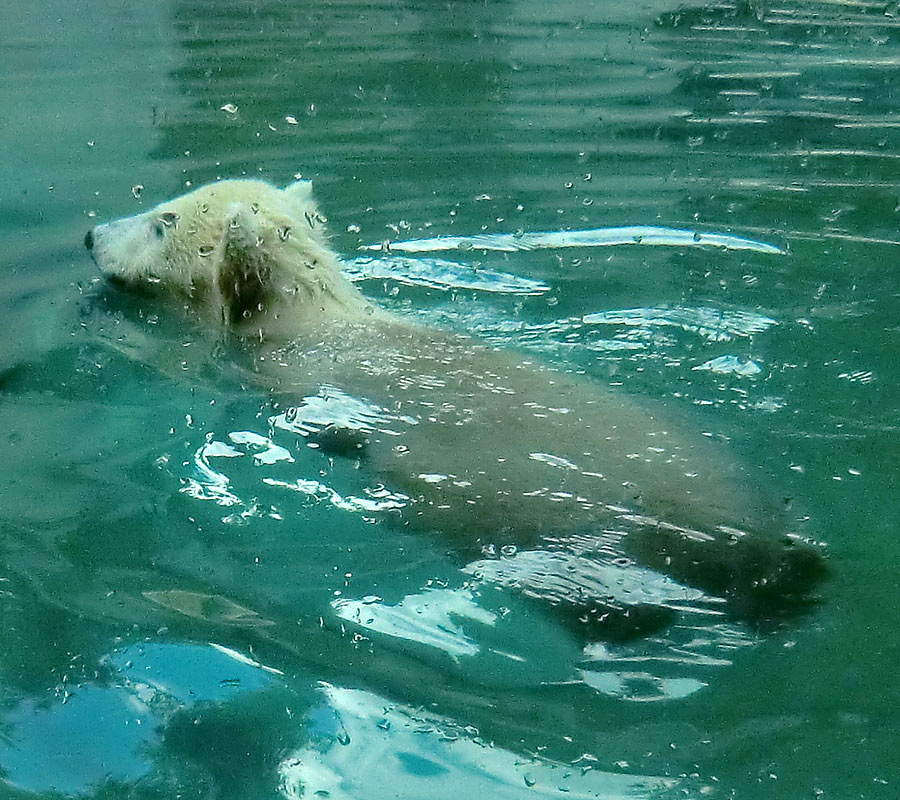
[229,108]
[254,207]
[529,780]
[290,120]
[352,228]
[508,550]
[205,250]
[169,219]
[343,737]
[136,190]
[204,208]
[310,219]
[284,232]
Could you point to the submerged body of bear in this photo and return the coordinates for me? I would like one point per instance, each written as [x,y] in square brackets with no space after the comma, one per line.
[495,451]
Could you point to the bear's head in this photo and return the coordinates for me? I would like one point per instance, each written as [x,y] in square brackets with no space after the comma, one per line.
[245,250]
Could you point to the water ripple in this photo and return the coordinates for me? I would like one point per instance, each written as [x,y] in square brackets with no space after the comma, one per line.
[710,323]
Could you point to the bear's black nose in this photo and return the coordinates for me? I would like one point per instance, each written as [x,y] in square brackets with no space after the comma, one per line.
[89,240]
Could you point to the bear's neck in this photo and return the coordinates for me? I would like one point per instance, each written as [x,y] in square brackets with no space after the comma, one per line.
[293,308]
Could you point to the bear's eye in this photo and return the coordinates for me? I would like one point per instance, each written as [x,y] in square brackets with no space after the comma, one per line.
[168,219]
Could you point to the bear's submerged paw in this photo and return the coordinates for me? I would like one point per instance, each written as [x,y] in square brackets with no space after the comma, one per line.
[765,580]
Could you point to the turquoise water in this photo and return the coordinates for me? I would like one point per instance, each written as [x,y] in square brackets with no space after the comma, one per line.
[186,611]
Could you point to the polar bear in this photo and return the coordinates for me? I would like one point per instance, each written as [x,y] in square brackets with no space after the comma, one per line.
[501,454]
[241,250]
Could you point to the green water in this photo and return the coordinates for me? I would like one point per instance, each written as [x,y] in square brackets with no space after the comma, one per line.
[169,617]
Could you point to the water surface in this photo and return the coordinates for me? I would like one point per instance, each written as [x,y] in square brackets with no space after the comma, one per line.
[196,603]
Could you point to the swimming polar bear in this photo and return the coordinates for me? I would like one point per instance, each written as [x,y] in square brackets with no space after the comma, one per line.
[500,453]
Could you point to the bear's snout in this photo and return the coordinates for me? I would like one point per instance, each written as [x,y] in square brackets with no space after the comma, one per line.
[89,240]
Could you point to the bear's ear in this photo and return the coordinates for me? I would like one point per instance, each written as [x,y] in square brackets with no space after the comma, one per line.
[246,267]
[300,190]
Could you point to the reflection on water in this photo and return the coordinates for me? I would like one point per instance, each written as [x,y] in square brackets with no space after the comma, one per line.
[439,273]
[377,749]
[599,237]
[47,747]
[427,618]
